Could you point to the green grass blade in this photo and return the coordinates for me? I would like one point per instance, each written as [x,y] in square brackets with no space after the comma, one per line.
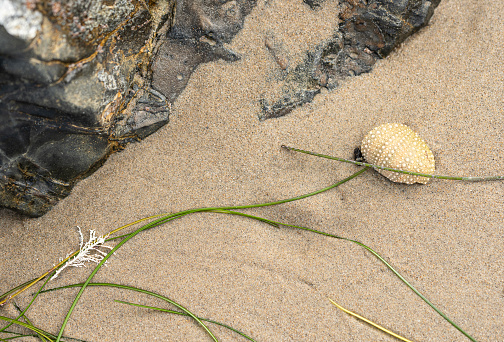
[100,264]
[168,217]
[184,314]
[413,289]
[22,314]
[5,296]
[52,336]
[150,293]
[31,302]
[28,326]
[14,337]
[261,219]
[467,179]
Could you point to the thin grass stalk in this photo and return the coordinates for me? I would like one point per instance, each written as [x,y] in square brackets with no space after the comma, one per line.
[28,321]
[100,264]
[28,284]
[391,333]
[51,336]
[170,217]
[183,314]
[165,217]
[414,290]
[26,309]
[150,293]
[18,335]
[23,287]
[28,326]
[467,179]
[362,245]
[6,296]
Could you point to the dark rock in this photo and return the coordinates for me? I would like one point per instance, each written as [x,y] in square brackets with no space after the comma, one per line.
[68,73]
[368,31]
[81,79]
[177,59]
[76,83]
[314,4]
[200,30]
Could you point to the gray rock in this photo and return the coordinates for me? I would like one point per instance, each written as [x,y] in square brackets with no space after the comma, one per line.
[68,71]
[77,84]
[81,79]
[200,30]
[368,31]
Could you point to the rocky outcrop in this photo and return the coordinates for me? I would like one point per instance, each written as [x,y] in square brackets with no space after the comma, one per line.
[81,79]
[368,31]
[76,83]
[198,36]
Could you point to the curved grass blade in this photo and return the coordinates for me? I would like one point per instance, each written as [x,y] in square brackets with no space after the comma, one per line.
[467,179]
[28,321]
[397,274]
[183,314]
[165,217]
[170,217]
[23,287]
[100,264]
[38,331]
[14,337]
[4,297]
[227,210]
[153,294]
[24,311]
[46,336]
[369,322]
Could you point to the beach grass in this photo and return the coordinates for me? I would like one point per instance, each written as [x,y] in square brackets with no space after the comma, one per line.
[95,248]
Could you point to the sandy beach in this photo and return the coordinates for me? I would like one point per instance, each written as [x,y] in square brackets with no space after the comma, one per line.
[446,82]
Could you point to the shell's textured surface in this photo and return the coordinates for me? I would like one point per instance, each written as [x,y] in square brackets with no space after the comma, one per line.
[397,146]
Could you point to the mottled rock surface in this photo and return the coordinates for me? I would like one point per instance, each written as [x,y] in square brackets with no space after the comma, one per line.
[368,31]
[197,36]
[75,83]
[81,79]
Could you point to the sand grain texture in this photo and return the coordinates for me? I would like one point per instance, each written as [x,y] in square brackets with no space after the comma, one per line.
[446,83]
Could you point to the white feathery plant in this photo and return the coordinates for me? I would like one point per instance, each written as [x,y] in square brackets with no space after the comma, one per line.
[88,252]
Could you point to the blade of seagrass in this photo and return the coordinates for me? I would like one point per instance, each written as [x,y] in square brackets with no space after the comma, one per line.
[467,179]
[150,293]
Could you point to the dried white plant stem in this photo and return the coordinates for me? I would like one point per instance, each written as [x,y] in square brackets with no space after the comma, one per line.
[88,252]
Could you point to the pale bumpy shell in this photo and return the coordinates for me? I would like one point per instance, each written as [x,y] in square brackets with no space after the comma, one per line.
[397,146]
